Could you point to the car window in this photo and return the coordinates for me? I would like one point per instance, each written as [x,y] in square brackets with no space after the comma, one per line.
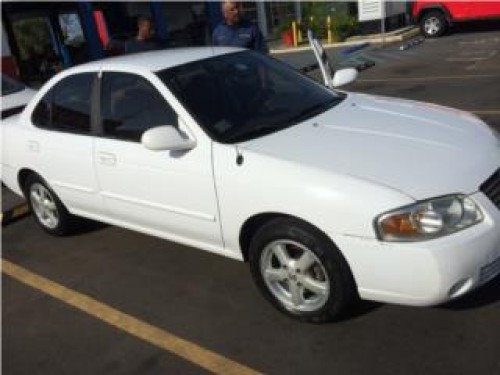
[71,103]
[243,95]
[9,86]
[131,105]
[67,106]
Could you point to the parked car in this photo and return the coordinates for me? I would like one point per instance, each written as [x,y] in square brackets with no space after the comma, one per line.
[15,96]
[435,18]
[328,195]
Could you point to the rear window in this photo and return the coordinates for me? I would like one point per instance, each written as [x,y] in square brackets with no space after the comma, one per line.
[9,86]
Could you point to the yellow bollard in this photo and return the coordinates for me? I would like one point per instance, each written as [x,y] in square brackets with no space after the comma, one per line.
[329,28]
[294,32]
[299,32]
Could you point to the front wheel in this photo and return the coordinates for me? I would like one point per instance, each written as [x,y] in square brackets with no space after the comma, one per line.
[300,271]
[433,24]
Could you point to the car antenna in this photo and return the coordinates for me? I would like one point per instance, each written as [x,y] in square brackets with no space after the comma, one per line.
[239,156]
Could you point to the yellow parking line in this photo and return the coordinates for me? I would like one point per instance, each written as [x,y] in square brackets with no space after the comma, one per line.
[191,352]
[430,78]
[14,213]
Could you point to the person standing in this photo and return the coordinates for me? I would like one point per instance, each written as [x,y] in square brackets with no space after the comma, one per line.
[237,31]
[143,41]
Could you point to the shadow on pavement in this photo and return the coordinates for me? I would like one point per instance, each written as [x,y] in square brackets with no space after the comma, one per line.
[360,309]
[484,296]
[476,26]
[85,226]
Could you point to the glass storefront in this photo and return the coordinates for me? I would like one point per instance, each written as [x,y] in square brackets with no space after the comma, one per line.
[186,23]
[44,39]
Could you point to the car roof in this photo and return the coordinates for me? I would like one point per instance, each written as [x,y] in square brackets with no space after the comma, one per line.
[160,59]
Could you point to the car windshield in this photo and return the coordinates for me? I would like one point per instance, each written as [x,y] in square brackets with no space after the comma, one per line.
[244,95]
[9,86]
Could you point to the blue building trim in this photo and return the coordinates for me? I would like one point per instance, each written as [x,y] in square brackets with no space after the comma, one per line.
[161,27]
[58,45]
[89,28]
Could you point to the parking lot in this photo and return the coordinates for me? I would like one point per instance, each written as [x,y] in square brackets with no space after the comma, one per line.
[111,301]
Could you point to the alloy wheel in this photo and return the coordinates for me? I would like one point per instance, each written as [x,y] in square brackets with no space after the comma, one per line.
[44,205]
[295,276]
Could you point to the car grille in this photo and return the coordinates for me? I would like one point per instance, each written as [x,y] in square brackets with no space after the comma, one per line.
[489,271]
[491,188]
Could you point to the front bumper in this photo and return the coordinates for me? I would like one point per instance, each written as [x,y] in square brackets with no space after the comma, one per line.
[428,272]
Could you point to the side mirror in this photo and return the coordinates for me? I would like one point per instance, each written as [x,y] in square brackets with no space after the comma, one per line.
[166,137]
[344,76]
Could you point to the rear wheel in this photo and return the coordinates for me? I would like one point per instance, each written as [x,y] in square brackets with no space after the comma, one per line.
[300,271]
[48,210]
[433,24]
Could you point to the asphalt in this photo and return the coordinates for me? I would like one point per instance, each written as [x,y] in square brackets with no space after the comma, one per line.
[211,301]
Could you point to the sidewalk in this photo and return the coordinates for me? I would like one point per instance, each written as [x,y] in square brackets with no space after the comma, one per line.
[13,206]
[399,35]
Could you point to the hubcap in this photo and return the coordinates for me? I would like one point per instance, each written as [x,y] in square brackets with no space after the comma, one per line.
[44,205]
[432,25]
[295,276]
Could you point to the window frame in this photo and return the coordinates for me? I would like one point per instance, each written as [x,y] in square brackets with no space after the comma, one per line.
[50,94]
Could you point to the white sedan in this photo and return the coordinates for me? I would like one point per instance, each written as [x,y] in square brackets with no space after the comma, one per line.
[328,195]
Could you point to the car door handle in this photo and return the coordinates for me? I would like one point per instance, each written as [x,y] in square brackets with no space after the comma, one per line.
[106,158]
[33,146]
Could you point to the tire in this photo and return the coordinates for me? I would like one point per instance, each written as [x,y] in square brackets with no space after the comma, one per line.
[433,24]
[48,210]
[300,271]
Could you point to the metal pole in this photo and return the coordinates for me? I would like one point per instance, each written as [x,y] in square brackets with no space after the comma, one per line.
[382,20]
[262,18]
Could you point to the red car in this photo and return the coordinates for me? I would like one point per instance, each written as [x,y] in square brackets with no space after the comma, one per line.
[435,17]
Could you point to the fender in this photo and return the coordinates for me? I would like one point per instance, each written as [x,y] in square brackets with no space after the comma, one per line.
[430,7]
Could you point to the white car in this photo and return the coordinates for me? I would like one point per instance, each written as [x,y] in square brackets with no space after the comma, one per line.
[15,96]
[328,195]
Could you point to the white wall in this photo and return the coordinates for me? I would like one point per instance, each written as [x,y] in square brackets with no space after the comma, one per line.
[369,10]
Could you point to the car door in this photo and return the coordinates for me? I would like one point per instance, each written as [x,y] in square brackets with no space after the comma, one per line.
[483,9]
[331,78]
[324,63]
[168,193]
[61,148]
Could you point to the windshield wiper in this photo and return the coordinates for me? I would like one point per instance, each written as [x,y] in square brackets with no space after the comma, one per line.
[312,111]
[245,135]
[253,133]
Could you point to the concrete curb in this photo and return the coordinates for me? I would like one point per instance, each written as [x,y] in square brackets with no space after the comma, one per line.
[407,34]
[14,213]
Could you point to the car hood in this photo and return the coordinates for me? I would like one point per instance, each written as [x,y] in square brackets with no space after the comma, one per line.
[420,149]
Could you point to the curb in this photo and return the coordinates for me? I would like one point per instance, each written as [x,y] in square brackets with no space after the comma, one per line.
[353,49]
[14,213]
[325,46]
[412,32]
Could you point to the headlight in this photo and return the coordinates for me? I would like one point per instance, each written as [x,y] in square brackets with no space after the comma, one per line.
[428,219]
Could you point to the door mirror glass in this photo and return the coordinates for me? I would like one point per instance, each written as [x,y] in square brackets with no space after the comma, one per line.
[344,76]
[167,137]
